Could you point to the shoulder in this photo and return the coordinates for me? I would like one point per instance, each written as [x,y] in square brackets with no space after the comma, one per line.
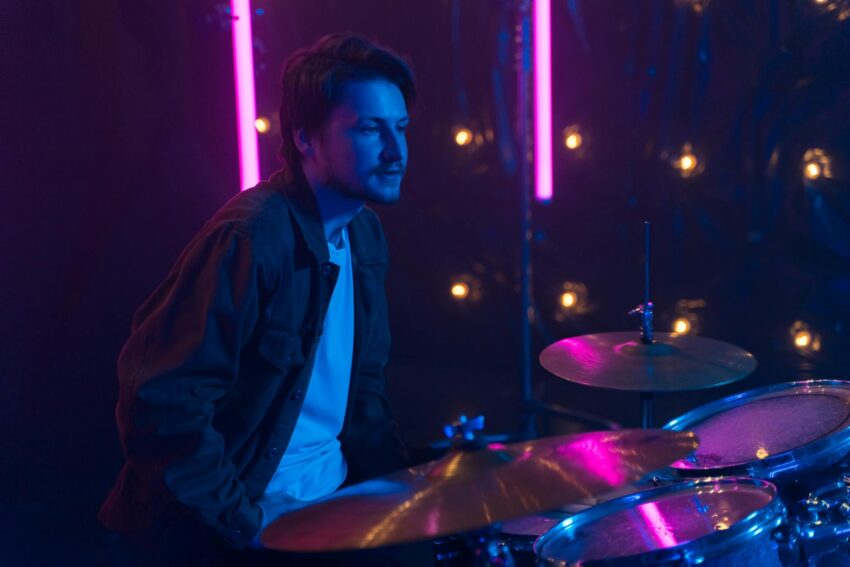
[259,219]
[253,210]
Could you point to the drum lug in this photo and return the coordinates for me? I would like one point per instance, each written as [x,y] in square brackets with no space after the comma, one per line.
[815,509]
[786,544]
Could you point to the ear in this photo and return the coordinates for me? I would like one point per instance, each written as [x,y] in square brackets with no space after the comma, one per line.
[304,142]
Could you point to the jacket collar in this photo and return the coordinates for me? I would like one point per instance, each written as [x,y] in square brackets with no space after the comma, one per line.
[305,211]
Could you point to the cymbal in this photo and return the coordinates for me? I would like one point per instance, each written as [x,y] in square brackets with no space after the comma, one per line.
[466,490]
[619,361]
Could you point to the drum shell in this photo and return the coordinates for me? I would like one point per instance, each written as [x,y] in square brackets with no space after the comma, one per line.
[754,540]
[797,471]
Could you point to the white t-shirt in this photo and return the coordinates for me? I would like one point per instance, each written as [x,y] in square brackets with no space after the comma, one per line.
[313,465]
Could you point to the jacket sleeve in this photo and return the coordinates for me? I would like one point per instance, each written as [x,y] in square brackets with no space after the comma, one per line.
[180,361]
[372,446]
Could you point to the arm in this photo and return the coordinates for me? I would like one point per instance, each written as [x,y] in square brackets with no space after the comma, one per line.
[179,362]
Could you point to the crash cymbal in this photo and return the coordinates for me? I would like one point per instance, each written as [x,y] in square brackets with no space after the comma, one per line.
[619,361]
[466,490]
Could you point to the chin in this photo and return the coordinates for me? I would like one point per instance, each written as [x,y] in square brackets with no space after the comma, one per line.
[382,195]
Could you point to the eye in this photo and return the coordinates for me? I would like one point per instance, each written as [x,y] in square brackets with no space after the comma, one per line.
[369,129]
[403,127]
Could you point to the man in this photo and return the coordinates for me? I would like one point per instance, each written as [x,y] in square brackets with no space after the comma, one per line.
[252,381]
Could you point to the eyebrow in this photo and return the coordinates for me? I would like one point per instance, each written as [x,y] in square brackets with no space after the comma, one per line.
[383,120]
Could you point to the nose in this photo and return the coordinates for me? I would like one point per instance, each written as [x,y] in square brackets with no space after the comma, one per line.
[394,147]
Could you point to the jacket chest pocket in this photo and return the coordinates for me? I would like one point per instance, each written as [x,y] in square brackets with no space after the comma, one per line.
[282,348]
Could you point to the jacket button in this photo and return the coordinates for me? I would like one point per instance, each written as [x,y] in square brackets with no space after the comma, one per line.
[271,452]
[296,395]
[326,269]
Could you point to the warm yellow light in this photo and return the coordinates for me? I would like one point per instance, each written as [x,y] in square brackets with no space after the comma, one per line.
[262,125]
[460,290]
[816,164]
[762,453]
[568,299]
[681,326]
[687,163]
[572,137]
[720,526]
[812,170]
[463,136]
[802,339]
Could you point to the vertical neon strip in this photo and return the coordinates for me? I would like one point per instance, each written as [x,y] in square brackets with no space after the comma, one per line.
[246,108]
[542,100]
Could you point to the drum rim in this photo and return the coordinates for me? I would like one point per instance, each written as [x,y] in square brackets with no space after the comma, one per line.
[772,466]
[771,515]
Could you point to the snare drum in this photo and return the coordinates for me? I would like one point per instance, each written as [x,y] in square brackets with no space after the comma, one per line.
[726,522]
[785,433]
[519,535]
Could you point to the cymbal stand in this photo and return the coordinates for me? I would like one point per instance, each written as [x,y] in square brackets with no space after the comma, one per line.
[482,545]
[645,312]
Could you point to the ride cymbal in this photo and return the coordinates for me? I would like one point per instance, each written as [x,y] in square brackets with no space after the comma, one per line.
[620,361]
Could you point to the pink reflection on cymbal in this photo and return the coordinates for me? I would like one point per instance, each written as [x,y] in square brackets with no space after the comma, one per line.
[584,354]
[603,460]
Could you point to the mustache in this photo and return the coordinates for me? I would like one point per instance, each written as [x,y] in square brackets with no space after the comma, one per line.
[390,170]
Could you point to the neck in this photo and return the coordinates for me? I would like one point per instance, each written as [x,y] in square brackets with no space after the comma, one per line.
[336,211]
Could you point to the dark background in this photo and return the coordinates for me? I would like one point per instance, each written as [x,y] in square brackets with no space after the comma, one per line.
[118,140]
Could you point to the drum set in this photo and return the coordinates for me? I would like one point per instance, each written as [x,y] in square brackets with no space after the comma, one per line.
[758,478]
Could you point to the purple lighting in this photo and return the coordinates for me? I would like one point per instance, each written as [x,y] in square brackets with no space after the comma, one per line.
[542,100]
[659,530]
[246,110]
[598,456]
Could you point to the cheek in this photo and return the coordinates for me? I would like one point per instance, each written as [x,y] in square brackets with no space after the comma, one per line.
[363,157]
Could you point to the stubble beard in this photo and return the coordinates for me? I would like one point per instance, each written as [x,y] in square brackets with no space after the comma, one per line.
[362,193]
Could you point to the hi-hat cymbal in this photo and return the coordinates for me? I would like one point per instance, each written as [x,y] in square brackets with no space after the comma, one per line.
[619,361]
[466,490]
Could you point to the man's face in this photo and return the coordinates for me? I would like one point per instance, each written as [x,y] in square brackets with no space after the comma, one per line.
[361,150]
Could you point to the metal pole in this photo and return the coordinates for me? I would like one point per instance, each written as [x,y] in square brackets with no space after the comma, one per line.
[526,150]
[646,416]
[646,263]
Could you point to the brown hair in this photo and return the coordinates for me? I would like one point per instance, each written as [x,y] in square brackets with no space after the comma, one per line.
[313,79]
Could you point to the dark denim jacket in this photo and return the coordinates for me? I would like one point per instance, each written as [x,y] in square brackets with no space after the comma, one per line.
[213,376]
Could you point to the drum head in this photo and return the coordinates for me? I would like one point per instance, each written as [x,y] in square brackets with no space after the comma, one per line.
[773,430]
[664,520]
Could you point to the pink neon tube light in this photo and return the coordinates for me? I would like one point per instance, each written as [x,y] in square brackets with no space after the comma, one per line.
[246,108]
[542,100]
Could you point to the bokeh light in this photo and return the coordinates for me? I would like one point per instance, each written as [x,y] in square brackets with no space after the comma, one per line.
[572,301]
[569,299]
[687,163]
[262,125]
[572,138]
[812,170]
[460,290]
[816,164]
[804,338]
[681,326]
[463,136]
